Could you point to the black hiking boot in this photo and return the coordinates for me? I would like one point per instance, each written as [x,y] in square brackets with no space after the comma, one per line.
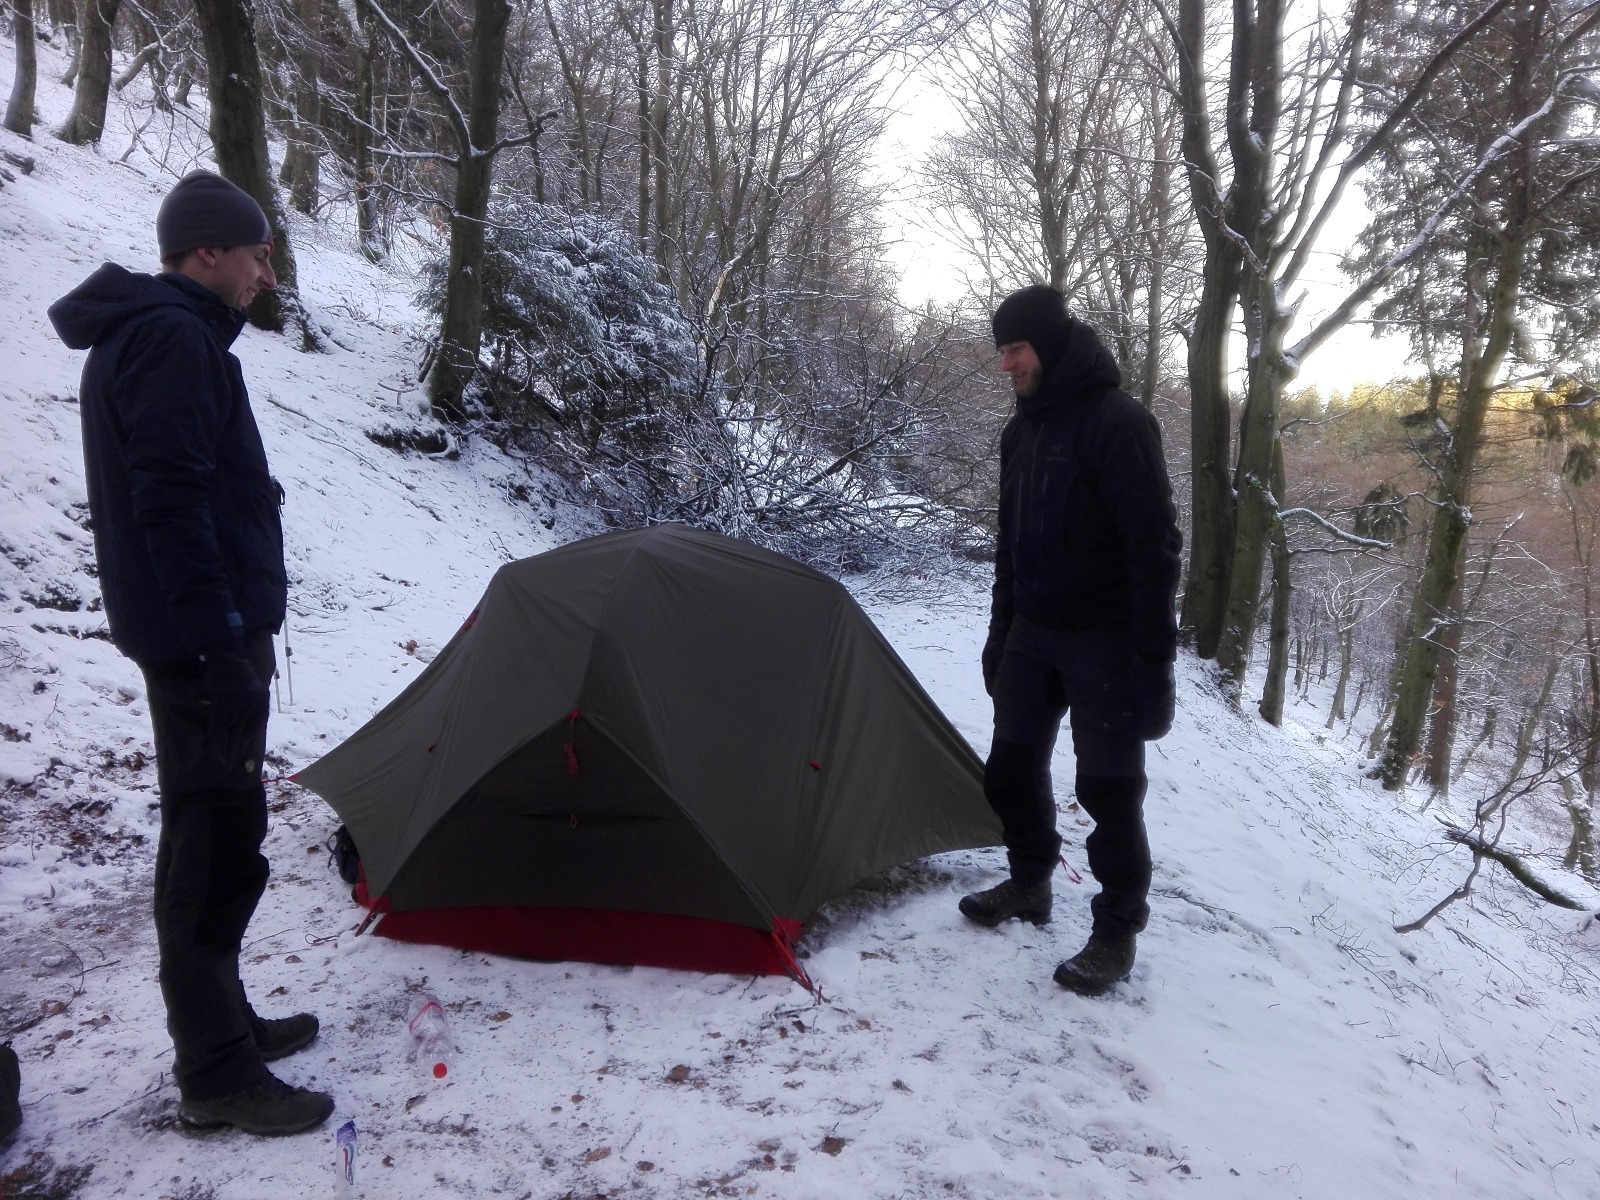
[1103,962]
[282,1036]
[1026,902]
[10,1094]
[270,1108]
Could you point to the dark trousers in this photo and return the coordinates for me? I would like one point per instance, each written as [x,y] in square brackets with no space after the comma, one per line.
[1044,676]
[210,874]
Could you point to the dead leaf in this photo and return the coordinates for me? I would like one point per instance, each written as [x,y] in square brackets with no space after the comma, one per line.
[293,958]
[595,1156]
[644,1166]
[413,1102]
[832,1145]
[678,1074]
[502,1015]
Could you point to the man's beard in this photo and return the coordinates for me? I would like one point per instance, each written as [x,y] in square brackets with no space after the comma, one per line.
[1028,385]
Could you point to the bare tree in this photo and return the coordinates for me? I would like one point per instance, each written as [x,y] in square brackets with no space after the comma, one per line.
[473,123]
[1062,171]
[1262,198]
[303,154]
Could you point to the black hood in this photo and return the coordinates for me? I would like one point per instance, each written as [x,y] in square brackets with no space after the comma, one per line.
[1086,365]
[106,301]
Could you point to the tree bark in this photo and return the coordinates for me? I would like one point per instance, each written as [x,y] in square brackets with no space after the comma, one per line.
[1347,647]
[1442,728]
[462,327]
[362,35]
[239,140]
[1210,418]
[1271,707]
[87,120]
[19,112]
[1448,535]
[302,158]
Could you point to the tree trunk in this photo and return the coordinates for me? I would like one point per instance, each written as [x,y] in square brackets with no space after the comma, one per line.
[1442,729]
[362,35]
[1210,420]
[1265,324]
[87,120]
[19,112]
[302,158]
[1580,855]
[1271,707]
[1531,721]
[1447,538]
[65,19]
[462,327]
[1490,718]
[658,128]
[239,140]
[1347,647]
[1160,215]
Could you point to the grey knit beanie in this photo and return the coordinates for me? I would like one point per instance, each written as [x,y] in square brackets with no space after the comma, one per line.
[204,209]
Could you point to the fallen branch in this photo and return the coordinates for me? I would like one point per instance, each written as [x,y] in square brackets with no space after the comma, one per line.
[1461,893]
[1520,871]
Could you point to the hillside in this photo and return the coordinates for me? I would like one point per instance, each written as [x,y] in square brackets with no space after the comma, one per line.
[1277,1039]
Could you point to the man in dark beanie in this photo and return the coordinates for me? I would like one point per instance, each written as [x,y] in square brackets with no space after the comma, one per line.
[190,551]
[1082,625]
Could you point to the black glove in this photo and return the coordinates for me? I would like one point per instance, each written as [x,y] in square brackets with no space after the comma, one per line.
[236,699]
[1154,698]
[993,651]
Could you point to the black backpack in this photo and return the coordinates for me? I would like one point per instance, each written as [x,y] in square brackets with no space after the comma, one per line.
[346,858]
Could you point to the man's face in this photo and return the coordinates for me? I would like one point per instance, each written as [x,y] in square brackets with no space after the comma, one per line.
[237,274]
[1021,365]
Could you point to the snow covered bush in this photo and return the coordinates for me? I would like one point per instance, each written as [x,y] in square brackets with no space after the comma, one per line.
[816,438]
[587,359]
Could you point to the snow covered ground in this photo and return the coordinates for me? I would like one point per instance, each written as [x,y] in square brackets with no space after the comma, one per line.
[1277,1039]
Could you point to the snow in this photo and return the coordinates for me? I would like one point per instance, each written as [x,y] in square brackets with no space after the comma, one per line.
[1277,1038]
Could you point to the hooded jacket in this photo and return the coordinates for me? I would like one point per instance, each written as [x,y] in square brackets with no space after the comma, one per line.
[1088,533]
[185,514]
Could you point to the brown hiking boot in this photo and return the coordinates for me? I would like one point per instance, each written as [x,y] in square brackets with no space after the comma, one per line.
[280,1037]
[1104,961]
[270,1108]
[1026,902]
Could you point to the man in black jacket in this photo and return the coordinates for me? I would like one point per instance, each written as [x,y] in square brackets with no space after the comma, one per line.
[1086,572]
[190,554]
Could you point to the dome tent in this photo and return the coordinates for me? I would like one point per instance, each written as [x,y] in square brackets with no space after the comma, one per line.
[660,746]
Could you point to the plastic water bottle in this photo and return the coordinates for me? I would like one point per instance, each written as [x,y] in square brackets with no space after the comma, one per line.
[430,1035]
[345,1143]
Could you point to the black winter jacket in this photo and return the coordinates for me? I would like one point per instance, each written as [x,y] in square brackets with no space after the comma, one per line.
[185,514]
[1088,534]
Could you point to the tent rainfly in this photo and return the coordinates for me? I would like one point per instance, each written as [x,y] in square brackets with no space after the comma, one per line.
[660,746]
